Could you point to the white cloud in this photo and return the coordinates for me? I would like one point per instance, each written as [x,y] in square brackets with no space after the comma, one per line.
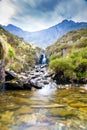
[34,18]
[7,11]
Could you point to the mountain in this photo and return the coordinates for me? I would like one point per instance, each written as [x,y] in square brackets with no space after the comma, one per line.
[48,36]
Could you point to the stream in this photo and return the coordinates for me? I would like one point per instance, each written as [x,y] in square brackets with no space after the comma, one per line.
[48,108]
[44,109]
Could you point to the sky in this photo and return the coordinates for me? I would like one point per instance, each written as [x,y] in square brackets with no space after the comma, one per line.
[35,15]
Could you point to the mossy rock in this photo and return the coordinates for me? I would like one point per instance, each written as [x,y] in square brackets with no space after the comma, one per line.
[61,113]
[78,105]
[24,110]
[83,100]
[83,109]
[7,117]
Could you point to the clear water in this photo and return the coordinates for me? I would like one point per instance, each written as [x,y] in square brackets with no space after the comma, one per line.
[44,109]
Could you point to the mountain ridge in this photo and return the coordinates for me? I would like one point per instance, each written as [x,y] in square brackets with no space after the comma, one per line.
[46,37]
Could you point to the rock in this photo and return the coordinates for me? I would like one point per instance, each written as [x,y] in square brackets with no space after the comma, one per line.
[77,105]
[83,91]
[48,106]
[43,66]
[2,73]
[13,85]
[50,74]
[10,75]
[24,110]
[27,86]
[40,84]
[28,119]
[34,84]
[7,117]
[45,81]
[38,77]
[17,85]
[33,77]
[84,109]
[61,112]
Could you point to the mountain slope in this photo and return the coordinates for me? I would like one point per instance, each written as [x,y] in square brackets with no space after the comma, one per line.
[67,41]
[48,36]
[68,57]
[20,54]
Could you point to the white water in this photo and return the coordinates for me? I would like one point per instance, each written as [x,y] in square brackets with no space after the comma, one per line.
[44,59]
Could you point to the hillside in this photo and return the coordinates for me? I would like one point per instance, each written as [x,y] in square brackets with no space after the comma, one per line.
[20,55]
[68,57]
[48,36]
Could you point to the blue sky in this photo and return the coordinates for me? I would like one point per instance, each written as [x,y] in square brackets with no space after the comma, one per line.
[33,15]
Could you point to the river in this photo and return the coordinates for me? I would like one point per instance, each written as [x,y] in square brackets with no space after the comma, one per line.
[44,109]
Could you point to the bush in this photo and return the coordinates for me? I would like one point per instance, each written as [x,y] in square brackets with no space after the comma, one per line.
[11,52]
[81,43]
[55,56]
[69,73]
[61,64]
[81,68]
[17,67]
[84,53]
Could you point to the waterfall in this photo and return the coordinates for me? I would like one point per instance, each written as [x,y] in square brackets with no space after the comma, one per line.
[44,59]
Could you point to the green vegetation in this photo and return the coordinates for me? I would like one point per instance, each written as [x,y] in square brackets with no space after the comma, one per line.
[18,54]
[70,62]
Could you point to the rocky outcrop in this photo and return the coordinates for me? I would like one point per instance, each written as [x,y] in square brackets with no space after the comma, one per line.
[38,78]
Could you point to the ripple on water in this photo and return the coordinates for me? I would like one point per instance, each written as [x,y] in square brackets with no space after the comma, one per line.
[17,113]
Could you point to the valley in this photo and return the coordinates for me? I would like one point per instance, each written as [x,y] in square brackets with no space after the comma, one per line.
[43,89]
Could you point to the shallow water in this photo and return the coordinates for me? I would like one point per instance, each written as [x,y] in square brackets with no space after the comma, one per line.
[44,109]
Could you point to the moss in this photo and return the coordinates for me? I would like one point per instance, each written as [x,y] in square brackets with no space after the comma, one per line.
[61,113]
[78,105]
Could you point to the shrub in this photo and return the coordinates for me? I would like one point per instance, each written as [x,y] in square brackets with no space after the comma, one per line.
[11,51]
[60,64]
[81,43]
[82,66]
[55,56]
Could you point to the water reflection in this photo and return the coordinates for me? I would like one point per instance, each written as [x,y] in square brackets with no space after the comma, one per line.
[45,109]
[47,90]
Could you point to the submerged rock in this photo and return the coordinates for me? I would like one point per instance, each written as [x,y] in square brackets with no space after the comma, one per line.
[61,113]
[48,106]
[77,105]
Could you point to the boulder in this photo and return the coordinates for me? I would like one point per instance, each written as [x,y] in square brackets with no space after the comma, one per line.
[17,85]
[10,75]
[13,85]
[34,84]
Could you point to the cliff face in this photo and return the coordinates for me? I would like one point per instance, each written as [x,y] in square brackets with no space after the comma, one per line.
[2,72]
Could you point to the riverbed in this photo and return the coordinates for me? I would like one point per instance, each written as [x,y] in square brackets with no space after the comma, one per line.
[44,109]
